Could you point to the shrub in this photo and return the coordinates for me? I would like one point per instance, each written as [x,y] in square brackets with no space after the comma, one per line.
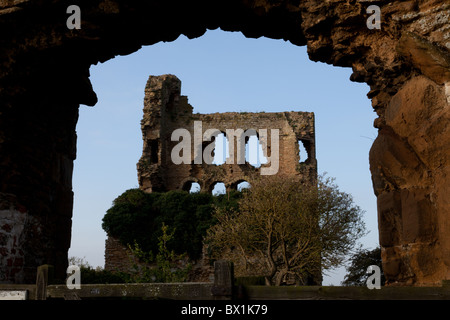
[138,217]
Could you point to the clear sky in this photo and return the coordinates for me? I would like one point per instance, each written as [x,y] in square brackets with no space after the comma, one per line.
[220,72]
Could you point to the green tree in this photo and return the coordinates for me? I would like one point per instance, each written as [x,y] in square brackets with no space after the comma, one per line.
[359,262]
[287,228]
[138,217]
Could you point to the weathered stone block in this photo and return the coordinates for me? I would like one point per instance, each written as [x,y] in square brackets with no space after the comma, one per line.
[389,218]
[419,216]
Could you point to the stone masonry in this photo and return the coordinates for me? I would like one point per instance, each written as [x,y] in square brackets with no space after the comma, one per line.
[165,110]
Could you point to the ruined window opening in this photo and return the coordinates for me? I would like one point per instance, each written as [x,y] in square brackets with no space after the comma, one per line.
[242,185]
[154,151]
[218,188]
[191,187]
[195,187]
[221,149]
[254,154]
[304,150]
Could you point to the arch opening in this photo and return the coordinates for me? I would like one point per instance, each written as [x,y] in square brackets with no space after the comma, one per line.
[218,188]
[57,58]
[191,186]
[221,151]
[195,187]
[243,185]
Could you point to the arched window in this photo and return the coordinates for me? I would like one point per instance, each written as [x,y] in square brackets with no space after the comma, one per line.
[218,188]
[195,187]
[242,185]
[191,186]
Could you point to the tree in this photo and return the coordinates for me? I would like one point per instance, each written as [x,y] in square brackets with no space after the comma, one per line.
[285,228]
[360,261]
[136,216]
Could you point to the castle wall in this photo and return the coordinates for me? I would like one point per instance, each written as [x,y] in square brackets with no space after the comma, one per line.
[165,111]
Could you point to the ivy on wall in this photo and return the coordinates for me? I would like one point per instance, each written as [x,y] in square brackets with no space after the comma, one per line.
[138,217]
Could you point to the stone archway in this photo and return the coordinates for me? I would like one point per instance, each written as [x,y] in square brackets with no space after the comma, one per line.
[45,76]
[186,185]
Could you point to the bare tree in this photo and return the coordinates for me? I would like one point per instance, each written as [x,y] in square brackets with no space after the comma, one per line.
[287,228]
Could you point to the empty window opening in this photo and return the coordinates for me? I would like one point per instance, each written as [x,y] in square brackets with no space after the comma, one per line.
[219,188]
[243,185]
[303,146]
[195,187]
[254,154]
[221,150]
[191,187]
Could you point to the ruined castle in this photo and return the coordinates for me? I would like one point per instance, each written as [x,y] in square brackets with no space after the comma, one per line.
[166,111]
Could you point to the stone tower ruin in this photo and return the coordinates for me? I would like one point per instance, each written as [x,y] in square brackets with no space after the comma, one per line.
[165,111]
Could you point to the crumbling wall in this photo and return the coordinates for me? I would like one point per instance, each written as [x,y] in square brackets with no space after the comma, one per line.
[118,257]
[165,111]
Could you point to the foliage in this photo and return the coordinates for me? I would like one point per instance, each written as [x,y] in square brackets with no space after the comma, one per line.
[102,276]
[136,216]
[163,268]
[81,262]
[90,275]
[341,223]
[360,261]
[167,268]
[287,228]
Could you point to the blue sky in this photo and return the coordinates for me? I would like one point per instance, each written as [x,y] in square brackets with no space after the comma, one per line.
[220,72]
